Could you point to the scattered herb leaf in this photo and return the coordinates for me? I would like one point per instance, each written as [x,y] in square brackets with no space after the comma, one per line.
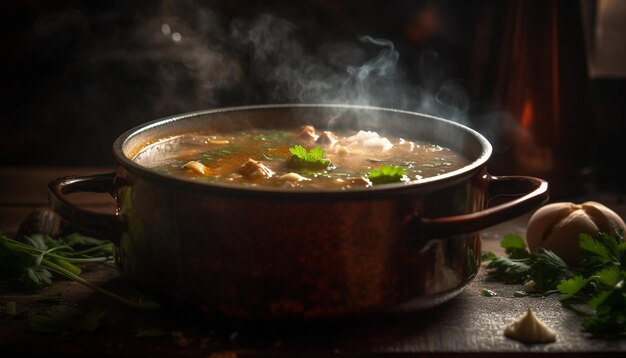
[520,294]
[488,256]
[218,154]
[488,293]
[313,159]
[387,174]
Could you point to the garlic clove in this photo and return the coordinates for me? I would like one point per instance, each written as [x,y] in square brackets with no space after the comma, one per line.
[558,226]
[606,219]
[530,329]
[564,238]
[542,221]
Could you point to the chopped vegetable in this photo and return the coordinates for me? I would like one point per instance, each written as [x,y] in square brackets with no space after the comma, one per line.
[313,159]
[488,293]
[387,174]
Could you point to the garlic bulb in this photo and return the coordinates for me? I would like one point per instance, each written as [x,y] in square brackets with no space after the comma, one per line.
[557,226]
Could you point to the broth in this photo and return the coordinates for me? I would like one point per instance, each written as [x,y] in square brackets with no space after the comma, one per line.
[265,158]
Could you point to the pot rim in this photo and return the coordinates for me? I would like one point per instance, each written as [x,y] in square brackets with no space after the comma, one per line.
[430,182]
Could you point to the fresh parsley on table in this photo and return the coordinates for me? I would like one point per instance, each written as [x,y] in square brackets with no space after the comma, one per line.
[33,261]
[598,280]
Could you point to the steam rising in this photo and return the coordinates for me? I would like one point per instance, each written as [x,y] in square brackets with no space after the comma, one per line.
[266,59]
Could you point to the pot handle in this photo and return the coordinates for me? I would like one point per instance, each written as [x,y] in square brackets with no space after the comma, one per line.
[107,226]
[534,192]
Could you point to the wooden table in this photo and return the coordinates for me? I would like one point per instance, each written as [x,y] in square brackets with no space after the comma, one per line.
[471,324]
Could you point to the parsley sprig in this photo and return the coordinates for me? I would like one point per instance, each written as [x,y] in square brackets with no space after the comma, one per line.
[387,174]
[598,280]
[313,159]
[32,262]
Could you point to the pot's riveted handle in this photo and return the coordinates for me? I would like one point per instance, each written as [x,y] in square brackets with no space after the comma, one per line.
[107,226]
[534,192]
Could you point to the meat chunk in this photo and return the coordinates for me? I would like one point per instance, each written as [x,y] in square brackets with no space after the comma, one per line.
[198,167]
[308,133]
[327,139]
[255,170]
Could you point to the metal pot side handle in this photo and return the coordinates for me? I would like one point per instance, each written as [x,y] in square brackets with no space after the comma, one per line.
[106,226]
[534,193]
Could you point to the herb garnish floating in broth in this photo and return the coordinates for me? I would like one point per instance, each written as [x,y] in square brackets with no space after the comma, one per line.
[304,158]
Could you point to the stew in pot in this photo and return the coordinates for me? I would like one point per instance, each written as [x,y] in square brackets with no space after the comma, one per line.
[302,158]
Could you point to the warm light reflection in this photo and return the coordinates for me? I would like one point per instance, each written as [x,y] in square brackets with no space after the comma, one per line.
[528,112]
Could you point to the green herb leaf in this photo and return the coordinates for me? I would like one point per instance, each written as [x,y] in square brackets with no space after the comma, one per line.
[593,248]
[520,294]
[36,278]
[387,174]
[548,269]
[610,276]
[510,270]
[488,256]
[610,318]
[488,293]
[572,286]
[598,299]
[514,246]
[313,159]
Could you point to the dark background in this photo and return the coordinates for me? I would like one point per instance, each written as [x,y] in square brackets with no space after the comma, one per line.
[77,74]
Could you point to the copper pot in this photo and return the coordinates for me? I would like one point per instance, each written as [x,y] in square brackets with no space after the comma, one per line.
[270,252]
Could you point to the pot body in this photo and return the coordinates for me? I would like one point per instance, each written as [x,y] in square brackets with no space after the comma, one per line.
[268,256]
[259,253]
